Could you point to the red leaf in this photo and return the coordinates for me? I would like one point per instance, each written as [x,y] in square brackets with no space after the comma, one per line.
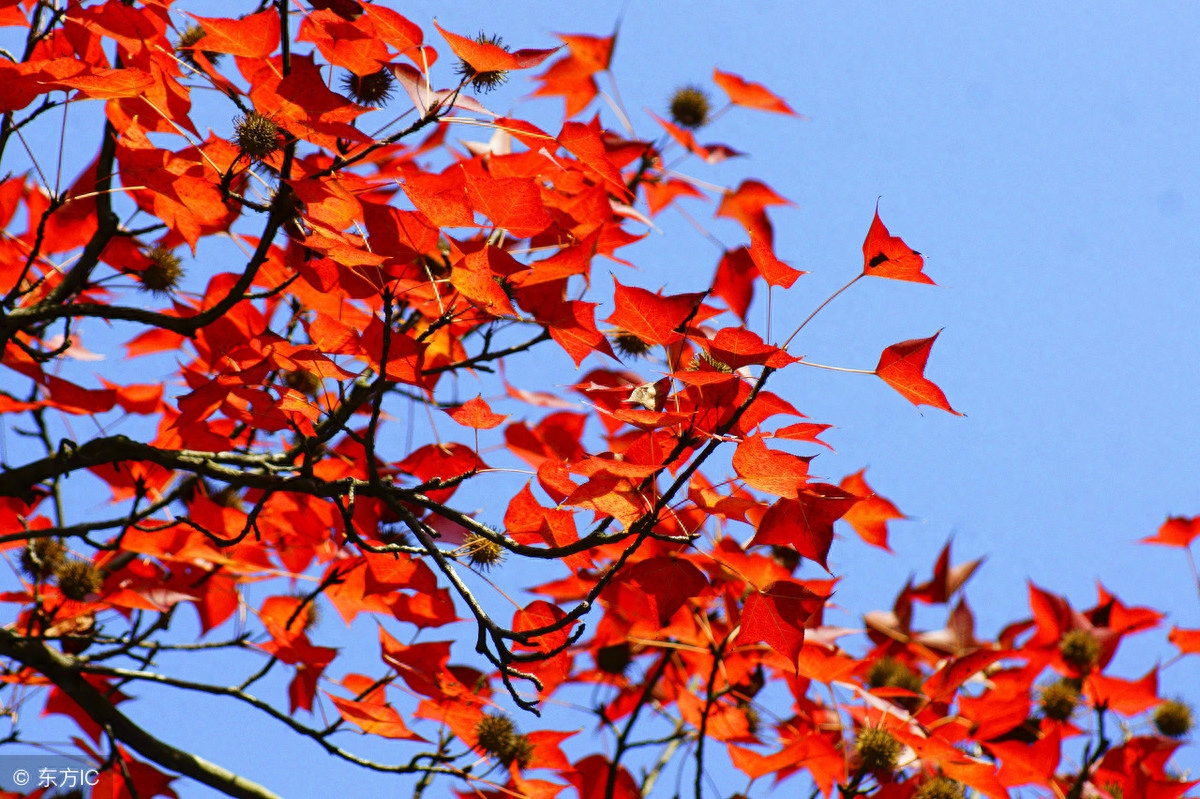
[667,582]
[586,142]
[751,95]
[1188,641]
[1127,697]
[651,317]
[475,413]
[737,347]
[805,523]
[773,270]
[769,470]
[776,616]
[902,366]
[734,281]
[255,36]
[487,57]
[1176,531]
[748,203]
[375,719]
[870,516]
[885,255]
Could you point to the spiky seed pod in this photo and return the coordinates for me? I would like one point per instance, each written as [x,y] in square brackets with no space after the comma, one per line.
[303,381]
[614,659]
[1079,649]
[753,720]
[483,81]
[163,274]
[630,345]
[1059,699]
[372,90]
[786,557]
[186,46]
[77,578]
[702,361]
[483,552]
[878,749]
[1114,790]
[42,557]
[256,135]
[495,733]
[690,107]
[520,752]
[1173,718]
[887,672]
[940,788]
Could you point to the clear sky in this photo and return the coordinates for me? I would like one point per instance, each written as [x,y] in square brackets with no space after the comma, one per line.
[1045,158]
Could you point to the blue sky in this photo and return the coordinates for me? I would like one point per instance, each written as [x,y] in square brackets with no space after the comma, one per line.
[1044,158]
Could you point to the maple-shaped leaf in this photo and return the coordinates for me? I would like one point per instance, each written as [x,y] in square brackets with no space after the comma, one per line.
[572,77]
[775,472]
[586,142]
[869,517]
[475,413]
[1176,531]
[737,347]
[1127,697]
[776,615]
[946,579]
[483,56]
[734,280]
[1188,641]
[748,204]
[652,317]
[751,95]
[374,718]
[662,584]
[253,36]
[902,366]
[590,777]
[773,270]
[1029,764]
[885,255]
[805,523]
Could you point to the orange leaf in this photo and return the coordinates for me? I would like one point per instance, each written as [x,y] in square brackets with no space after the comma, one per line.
[475,413]
[255,36]
[1188,641]
[776,616]
[805,523]
[1127,697]
[488,57]
[651,317]
[775,472]
[751,95]
[885,255]
[870,516]
[773,270]
[1176,531]
[375,719]
[902,366]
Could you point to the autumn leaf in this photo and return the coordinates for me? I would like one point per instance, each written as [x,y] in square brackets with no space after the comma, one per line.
[773,270]
[253,36]
[483,56]
[652,317]
[751,95]
[805,523]
[902,366]
[475,413]
[869,516]
[776,615]
[374,719]
[885,255]
[1176,531]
